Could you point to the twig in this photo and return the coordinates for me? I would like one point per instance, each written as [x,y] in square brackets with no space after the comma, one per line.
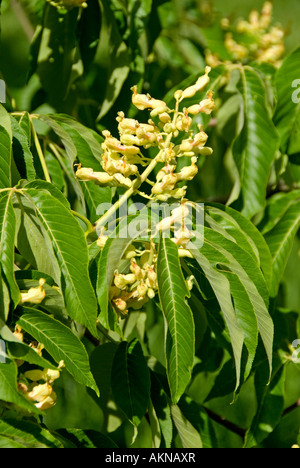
[227,424]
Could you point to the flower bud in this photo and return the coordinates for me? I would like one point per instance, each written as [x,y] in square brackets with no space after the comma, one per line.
[47,403]
[158,105]
[188,172]
[137,270]
[266,15]
[183,236]
[186,146]
[184,253]
[100,178]
[127,126]
[18,333]
[205,151]
[200,138]
[129,140]
[101,241]
[190,282]
[37,347]
[184,123]
[165,118]
[159,110]
[200,84]
[122,281]
[178,94]
[165,224]
[70,4]
[238,51]
[40,392]
[130,252]
[48,375]
[207,105]
[35,295]
[178,193]
[121,305]
[179,214]
[122,181]
[151,280]
[142,289]
[151,293]
[194,110]
[203,81]
[140,101]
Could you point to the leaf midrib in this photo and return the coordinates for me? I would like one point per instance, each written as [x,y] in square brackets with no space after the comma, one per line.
[65,264]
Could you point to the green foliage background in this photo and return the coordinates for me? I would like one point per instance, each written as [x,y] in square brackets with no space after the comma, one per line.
[178,53]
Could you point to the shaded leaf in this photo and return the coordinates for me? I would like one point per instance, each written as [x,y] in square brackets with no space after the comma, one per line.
[131,381]
[8,387]
[180,328]
[60,342]
[71,252]
[255,148]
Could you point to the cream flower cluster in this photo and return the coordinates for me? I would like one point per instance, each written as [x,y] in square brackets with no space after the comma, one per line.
[265,42]
[134,289]
[122,157]
[41,394]
[170,136]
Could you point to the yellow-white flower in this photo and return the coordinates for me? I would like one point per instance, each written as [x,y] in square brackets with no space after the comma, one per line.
[35,295]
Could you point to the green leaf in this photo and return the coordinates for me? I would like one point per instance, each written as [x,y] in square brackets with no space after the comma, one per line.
[18,350]
[199,418]
[53,303]
[83,144]
[79,141]
[87,439]
[180,332]
[107,264]
[101,361]
[276,207]
[270,400]
[7,243]
[280,241]
[287,113]
[221,287]
[60,342]
[21,147]
[42,185]
[55,53]
[5,149]
[231,271]
[160,402]
[27,434]
[130,380]
[236,227]
[112,60]
[8,387]
[32,240]
[71,252]
[189,436]
[254,150]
